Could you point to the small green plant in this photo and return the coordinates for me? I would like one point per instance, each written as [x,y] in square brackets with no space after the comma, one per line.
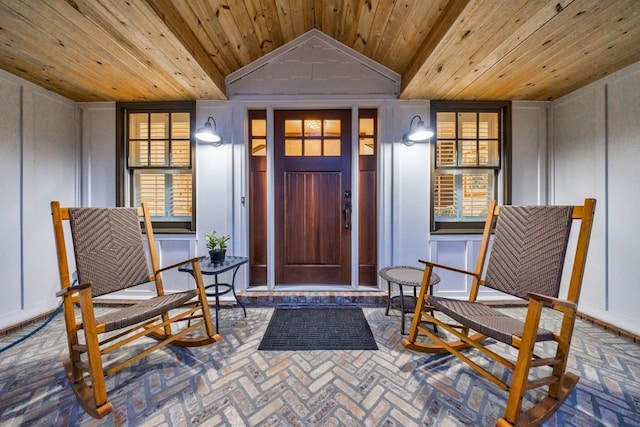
[215,243]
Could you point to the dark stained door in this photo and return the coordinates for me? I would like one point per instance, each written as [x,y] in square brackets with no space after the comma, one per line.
[312,166]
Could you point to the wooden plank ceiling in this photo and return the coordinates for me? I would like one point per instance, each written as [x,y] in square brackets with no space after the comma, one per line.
[137,50]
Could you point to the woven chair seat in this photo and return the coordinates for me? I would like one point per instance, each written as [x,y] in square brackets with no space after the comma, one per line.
[143,310]
[485,319]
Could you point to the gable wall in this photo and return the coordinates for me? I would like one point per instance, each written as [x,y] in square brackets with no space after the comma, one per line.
[313,65]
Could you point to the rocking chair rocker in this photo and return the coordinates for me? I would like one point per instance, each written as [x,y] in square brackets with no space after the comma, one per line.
[110,257]
[527,259]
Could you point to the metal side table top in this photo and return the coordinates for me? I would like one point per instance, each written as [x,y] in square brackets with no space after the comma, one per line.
[404,275]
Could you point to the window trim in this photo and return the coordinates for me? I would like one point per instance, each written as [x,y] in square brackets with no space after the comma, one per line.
[503,179]
[122,111]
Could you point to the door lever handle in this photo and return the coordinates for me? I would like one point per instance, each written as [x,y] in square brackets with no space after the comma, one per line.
[347,215]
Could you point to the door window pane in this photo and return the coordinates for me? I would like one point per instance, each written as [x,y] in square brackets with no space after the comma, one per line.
[312,128]
[332,147]
[258,137]
[258,147]
[367,146]
[313,147]
[259,127]
[366,136]
[293,147]
[332,128]
[293,128]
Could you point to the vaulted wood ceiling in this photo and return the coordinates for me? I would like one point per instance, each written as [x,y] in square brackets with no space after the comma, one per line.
[136,50]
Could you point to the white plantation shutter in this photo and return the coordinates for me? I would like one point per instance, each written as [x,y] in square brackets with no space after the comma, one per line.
[158,153]
[475,192]
[444,195]
[181,194]
[180,153]
[446,153]
[150,189]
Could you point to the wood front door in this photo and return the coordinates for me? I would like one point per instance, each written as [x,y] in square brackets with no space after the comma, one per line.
[312,166]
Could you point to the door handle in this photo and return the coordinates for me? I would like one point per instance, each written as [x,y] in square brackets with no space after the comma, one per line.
[347,215]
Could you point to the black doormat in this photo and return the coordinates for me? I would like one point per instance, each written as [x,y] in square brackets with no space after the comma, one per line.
[318,329]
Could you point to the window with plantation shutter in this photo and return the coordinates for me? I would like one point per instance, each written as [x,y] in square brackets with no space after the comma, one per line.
[156,162]
[471,162]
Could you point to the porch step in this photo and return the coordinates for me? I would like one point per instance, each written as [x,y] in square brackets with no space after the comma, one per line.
[313,298]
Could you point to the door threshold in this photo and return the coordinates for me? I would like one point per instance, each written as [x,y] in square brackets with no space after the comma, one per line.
[312,288]
[371,297]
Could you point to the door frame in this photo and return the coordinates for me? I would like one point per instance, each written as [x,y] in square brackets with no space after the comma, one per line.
[336,173]
[271,246]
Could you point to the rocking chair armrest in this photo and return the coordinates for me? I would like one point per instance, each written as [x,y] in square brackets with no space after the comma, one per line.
[553,302]
[446,267]
[71,289]
[172,266]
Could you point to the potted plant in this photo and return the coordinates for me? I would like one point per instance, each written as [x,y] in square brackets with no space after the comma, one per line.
[217,246]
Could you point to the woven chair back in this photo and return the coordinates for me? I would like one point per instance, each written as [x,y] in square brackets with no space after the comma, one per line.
[529,249]
[108,248]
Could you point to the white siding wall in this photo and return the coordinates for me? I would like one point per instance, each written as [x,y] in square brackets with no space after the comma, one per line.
[595,152]
[39,141]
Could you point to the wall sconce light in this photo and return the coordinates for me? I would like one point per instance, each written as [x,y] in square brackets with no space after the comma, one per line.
[208,133]
[419,133]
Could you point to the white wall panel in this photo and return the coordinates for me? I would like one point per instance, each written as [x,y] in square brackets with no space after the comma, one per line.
[10,194]
[452,253]
[173,251]
[215,177]
[529,153]
[49,173]
[410,197]
[98,154]
[40,133]
[623,184]
[579,172]
[596,154]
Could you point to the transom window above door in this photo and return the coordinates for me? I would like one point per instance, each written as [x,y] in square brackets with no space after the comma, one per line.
[311,137]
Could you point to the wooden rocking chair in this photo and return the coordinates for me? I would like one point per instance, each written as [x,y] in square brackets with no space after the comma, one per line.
[109,257]
[526,261]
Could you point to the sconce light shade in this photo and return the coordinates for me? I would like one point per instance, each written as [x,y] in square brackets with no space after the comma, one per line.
[419,133]
[208,133]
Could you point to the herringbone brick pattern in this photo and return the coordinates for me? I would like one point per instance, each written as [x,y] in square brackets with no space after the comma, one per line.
[231,383]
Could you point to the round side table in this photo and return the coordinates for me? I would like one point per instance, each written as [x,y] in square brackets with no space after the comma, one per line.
[403,275]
